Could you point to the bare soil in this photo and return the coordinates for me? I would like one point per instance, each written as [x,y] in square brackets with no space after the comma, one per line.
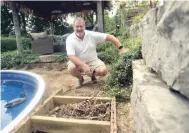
[57,77]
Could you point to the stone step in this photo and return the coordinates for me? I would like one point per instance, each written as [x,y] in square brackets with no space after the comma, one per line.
[48,58]
[156,109]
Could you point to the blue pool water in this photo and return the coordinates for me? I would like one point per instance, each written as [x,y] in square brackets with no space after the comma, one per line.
[11,87]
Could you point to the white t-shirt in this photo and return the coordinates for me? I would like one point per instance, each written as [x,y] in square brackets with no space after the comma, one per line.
[84,49]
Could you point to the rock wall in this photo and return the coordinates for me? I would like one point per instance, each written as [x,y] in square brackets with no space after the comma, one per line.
[134,30]
[155,108]
[165,43]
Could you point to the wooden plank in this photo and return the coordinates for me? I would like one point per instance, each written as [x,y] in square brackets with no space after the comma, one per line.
[52,124]
[23,127]
[47,105]
[113,123]
[63,90]
[44,109]
[74,99]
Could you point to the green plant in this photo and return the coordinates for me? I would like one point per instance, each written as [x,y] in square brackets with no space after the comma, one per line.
[120,79]
[9,44]
[119,93]
[138,17]
[13,58]
[30,58]
[124,33]
[26,43]
[107,52]
[101,47]
[110,55]
[62,58]
[109,23]
[10,59]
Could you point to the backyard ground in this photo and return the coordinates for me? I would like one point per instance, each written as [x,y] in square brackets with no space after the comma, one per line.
[58,77]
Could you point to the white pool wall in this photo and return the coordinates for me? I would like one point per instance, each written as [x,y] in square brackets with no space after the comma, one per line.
[29,108]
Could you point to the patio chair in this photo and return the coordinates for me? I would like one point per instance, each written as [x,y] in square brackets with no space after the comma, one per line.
[41,43]
[60,42]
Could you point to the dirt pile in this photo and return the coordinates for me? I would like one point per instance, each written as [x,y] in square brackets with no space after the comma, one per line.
[90,109]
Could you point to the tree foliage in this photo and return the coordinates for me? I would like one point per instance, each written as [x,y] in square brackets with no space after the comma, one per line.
[88,16]
[6,20]
[109,23]
[29,23]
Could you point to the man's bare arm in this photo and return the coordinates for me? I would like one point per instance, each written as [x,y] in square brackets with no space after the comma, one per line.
[114,40]
[76,60]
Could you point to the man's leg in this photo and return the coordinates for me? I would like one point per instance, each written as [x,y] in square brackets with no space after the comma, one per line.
[76,72]
[101,71]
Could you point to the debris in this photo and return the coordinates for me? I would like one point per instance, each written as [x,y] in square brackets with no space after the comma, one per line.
[37,131]
[90,109]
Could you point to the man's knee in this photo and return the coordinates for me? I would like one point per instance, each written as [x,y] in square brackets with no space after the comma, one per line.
[104,72]
[72,68]
[101,71]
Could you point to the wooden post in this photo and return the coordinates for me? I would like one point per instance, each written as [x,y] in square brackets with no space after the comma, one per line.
[113,123]
[52,28]
[17,30]
[100,16]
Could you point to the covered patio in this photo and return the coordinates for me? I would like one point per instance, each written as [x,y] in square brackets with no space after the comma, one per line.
[52,9]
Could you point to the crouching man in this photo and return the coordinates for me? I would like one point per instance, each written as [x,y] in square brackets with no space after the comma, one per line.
[81,51]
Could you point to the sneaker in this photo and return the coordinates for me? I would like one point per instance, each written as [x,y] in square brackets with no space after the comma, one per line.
[80,82]
[93,79]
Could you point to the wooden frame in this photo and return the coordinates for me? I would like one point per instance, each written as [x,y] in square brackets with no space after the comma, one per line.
[49,124]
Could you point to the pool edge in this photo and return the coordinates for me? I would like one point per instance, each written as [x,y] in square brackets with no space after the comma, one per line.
[35,101]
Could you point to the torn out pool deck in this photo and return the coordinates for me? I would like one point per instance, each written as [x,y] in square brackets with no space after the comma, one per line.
[39,121]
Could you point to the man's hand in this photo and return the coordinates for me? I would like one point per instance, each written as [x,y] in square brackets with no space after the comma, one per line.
[122,51]
[86,69]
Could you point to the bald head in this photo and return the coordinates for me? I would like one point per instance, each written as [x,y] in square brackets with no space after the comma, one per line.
[79,27]
[79,19]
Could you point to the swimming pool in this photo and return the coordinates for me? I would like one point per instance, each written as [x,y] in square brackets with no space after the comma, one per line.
[13,83]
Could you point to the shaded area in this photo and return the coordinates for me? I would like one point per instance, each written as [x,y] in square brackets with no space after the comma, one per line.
[60,7]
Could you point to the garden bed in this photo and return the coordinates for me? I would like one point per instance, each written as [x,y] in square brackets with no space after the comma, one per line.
[72,114]
[90,109]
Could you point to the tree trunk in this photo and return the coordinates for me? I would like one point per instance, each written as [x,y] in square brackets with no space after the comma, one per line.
[51,27]
[17,30]
[23,24]
[96,17]
[100,15]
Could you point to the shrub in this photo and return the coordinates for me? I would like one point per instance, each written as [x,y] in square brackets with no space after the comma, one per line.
[101,47]
[13,58]
[123,33]
[10,59]
[62,58]
[110,55]
[121,71]
[26,43]
[9,44]
[138,17]
[30,58]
